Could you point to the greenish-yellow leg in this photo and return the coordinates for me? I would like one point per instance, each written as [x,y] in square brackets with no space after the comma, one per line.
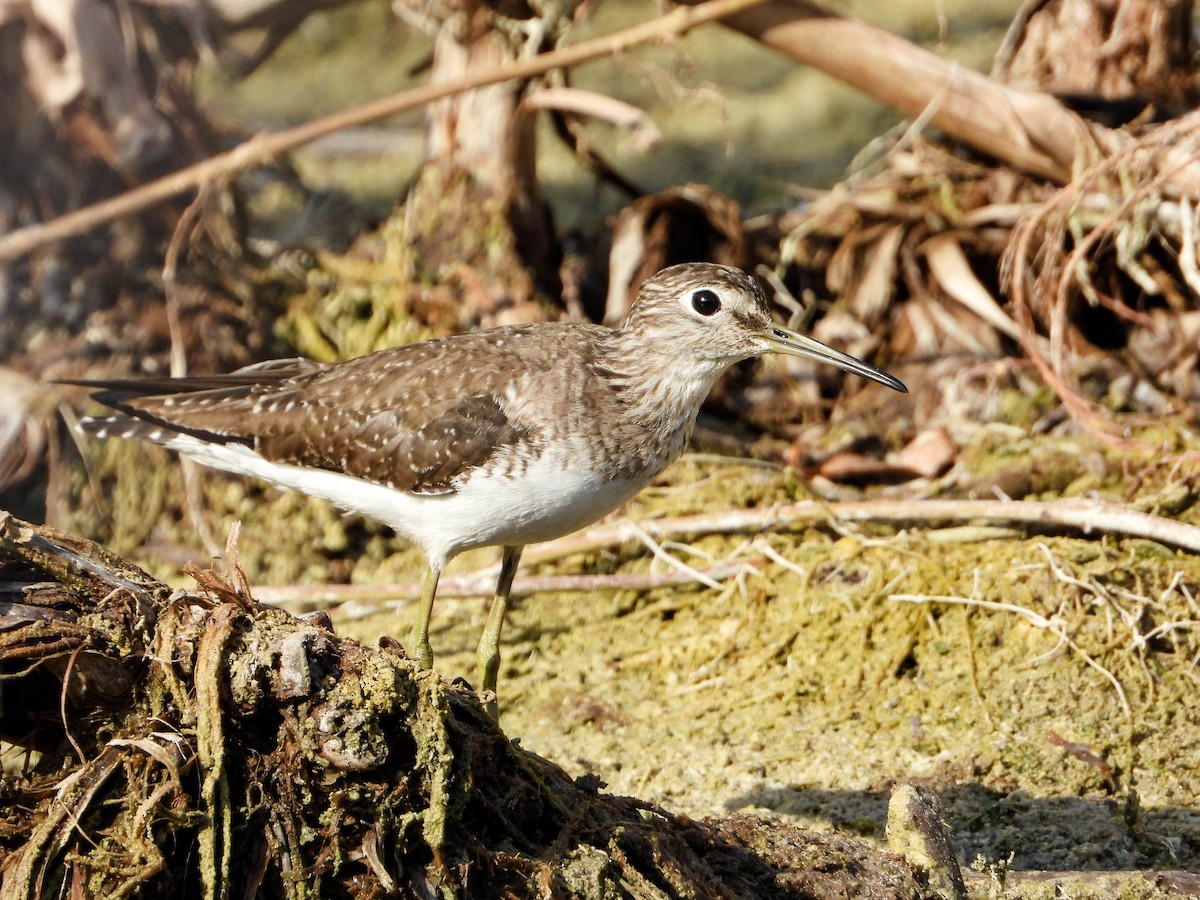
[418,641]
[488,657]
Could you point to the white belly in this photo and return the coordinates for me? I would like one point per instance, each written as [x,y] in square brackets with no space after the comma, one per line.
[545,501]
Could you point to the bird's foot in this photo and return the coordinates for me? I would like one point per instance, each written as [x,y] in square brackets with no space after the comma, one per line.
[419,649]
[489,672]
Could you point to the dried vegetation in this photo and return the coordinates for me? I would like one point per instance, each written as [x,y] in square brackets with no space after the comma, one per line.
[885,617]
[217,748]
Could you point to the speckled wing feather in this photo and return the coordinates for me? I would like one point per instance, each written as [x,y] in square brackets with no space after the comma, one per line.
[413,418]
[186,405]
[367,443]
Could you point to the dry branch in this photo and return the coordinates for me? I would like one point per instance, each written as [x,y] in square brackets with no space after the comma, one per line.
[483,582]
[1091,518]
[1026,129]
[265,147]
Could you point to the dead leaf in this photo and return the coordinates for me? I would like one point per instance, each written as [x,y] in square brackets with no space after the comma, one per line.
[949,265]
[874,289]
[856,468]
[928,454]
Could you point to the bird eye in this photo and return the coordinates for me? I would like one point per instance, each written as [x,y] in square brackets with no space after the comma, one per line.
[706,302]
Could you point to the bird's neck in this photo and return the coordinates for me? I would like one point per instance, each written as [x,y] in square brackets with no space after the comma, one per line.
[662,390]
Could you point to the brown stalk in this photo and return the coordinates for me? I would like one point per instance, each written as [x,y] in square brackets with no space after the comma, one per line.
[1030,130]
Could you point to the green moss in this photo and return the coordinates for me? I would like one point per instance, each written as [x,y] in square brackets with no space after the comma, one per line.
[1021,409]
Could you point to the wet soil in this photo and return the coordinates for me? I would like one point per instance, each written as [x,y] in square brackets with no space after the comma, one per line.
[1042,682]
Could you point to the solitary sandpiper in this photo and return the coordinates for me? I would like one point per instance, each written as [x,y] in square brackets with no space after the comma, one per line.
[502,437]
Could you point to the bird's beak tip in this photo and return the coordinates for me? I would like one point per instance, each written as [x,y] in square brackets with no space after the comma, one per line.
[783,340]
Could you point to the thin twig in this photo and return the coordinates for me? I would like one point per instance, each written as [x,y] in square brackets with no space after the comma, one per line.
[482,582]
[366,601]
[1055,626]
[1088,517]
[62,703]
[662,555]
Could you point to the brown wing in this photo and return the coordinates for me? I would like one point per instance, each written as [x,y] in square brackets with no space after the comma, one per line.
[204,406]
[412,417]
[377,447]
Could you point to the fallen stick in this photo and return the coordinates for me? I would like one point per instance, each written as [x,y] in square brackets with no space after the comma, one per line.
[481,583]
[1087,517]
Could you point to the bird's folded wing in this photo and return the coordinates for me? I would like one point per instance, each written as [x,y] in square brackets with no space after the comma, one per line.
[418,437]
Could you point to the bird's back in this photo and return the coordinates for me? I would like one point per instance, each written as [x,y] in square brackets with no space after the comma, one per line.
[415,418]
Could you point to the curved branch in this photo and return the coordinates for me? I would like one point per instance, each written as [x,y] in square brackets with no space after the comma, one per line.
[265,147]
[1030,130]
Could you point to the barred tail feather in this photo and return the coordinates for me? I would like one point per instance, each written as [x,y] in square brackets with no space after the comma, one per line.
[148,429]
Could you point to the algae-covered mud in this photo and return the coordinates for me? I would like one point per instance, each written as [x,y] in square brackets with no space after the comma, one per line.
[1040,679]
[1041,682]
